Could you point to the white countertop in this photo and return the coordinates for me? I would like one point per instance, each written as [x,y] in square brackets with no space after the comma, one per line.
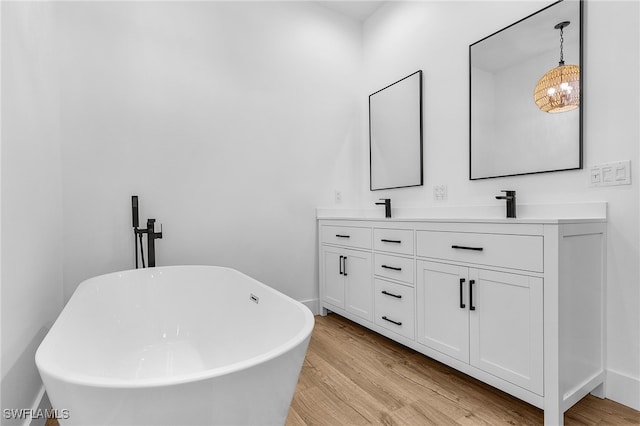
[527,213]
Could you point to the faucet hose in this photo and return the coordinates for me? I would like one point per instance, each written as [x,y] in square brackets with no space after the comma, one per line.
[141,250]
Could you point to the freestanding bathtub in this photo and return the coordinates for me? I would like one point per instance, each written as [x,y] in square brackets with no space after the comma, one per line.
[177,345]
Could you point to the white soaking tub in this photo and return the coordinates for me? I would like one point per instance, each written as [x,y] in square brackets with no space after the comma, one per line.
[177,345]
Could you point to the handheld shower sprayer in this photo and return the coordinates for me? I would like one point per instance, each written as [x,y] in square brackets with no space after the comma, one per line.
[137,234]
[134,211]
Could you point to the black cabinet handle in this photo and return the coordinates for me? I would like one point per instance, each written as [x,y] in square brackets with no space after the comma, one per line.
[467,248]
[343,236]
[471,307]
[344,265]
[340,264]
[391,267]
[384,240]
[397,296]
[462,305]
[390,320]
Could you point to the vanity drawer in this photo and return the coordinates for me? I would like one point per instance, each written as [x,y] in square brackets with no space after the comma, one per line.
[350,236]
[504,250]
[394,307]
[394,267]
[393,240]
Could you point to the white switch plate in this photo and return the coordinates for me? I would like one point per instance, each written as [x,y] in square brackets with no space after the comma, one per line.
[610,174]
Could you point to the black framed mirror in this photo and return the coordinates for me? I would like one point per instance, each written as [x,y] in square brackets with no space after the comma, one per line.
[520,121]
[395,134]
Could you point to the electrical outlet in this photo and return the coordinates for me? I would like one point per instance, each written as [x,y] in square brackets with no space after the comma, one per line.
[440,192]
[337,196]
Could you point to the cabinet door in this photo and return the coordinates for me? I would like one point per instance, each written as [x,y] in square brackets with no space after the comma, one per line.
[506,327]
[358,283]
[442,308]
[333,277]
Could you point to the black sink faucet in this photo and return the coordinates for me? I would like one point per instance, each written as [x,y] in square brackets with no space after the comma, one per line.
[511,202]
[386,202]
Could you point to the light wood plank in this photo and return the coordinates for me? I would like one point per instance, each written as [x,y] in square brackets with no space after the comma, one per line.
[387,383]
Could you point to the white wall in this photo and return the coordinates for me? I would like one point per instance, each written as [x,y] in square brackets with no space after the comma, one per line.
[434,36]
[31,291]
[232,121]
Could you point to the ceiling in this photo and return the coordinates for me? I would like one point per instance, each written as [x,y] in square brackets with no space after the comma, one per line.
[356,9]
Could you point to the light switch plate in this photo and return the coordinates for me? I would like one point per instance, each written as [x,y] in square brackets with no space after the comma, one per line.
[610,174]
[595,176]
[622,172]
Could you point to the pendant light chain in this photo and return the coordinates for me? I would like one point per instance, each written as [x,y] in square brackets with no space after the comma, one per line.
[561,46]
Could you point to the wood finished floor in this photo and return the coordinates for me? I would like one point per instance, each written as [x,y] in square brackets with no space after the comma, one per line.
[353,376]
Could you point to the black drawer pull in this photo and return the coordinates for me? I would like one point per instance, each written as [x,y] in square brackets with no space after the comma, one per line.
[397,296]
[462,305]
[343,236]
[471,307]
[391,267]
[390,320]
[384,240]
[340,265]
[467,248]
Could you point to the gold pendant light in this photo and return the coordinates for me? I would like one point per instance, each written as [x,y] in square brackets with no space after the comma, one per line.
[559,89]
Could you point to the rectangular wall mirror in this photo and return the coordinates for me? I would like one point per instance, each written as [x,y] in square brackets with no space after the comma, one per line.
[509,133]
[395,134]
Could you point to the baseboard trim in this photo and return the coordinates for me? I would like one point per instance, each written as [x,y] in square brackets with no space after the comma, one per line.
[623,389]
[313,305]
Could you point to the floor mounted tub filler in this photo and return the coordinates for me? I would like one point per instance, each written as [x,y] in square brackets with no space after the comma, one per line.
[178,345]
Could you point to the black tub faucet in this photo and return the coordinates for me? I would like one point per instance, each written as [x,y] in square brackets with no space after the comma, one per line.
[152,235]
[386,202]
[511,202]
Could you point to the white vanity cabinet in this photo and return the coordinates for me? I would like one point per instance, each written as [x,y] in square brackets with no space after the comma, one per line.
[494,317]
[346,272]
[493,320]
[516,303]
